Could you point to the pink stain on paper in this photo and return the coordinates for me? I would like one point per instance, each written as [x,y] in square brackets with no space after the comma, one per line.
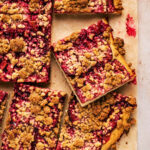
[130,26]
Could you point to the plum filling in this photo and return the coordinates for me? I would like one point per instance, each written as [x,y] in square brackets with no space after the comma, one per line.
[92,126]
[88,6]
[92,62]
[3,96]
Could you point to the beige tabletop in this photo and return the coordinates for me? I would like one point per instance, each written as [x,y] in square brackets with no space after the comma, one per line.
[144,76]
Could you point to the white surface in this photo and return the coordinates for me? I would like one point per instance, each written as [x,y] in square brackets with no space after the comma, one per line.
[144,76]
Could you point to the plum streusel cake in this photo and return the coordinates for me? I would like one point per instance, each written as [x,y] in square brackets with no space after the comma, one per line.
[91,62]
[97,126]
[25,46]
[34,118]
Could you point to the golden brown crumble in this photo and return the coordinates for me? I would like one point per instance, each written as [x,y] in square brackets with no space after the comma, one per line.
[131,100]
[113,147]
[41,108]
[118,4]
[119,44]
[56,130]
[34,5]
[4,46]
[60,46]
[5,8]
[118,41]
[17,45]
[10,9]
[40,146]
[106,34]
[55,100]
[35,109]
[47,109]
[112,79]
[108,67]
[101,111]
[48,121]
[29,65]
[80,82]
[35,97]
[16,17]
[6,19]
[78,142]
[22,134]
[73,5]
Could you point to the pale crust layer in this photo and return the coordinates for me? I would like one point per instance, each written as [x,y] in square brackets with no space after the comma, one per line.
[3,99]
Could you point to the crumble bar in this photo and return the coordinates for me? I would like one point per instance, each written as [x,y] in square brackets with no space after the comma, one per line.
[25,47]
[88,6]
[91,62]
[98,126]
[34,118]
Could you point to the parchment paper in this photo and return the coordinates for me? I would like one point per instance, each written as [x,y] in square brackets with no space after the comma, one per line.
[64,25]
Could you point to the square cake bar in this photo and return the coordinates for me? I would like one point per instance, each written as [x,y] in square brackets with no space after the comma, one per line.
[25,47]
[34,118]
[98,126]
[91,62]
[3,96]
[88,6]
[25,6]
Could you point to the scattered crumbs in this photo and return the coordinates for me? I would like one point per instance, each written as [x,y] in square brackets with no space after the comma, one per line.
[130,26]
